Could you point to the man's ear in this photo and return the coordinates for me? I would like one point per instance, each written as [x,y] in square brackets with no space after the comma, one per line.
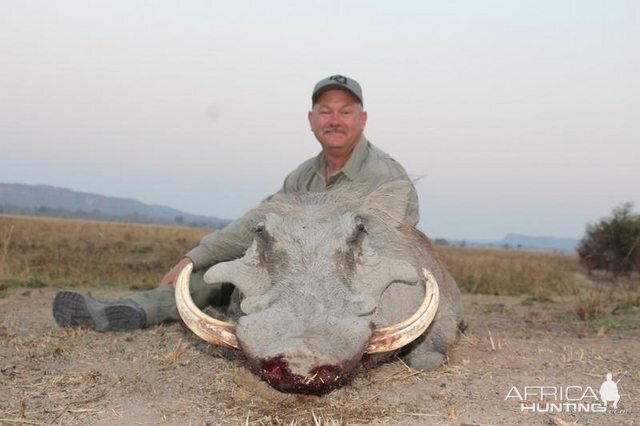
[363,118]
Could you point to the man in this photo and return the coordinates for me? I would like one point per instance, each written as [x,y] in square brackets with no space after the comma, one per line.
[337,120]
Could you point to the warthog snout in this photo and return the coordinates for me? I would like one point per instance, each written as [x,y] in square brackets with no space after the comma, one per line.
[319,380]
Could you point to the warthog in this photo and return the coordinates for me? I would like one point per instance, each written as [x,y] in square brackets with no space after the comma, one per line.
[329,280]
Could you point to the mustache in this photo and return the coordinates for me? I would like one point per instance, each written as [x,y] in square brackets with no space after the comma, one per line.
[331,129]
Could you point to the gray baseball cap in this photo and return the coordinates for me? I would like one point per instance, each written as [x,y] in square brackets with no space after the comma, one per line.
[337,82]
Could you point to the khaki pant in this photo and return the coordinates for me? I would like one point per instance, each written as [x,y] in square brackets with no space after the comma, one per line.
[159,304]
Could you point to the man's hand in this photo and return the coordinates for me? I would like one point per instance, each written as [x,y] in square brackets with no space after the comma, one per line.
[172,275]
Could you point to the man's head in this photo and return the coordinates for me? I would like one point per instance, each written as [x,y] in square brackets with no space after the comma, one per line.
[337,117]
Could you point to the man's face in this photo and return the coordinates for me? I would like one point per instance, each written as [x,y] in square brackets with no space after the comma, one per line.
[337,120]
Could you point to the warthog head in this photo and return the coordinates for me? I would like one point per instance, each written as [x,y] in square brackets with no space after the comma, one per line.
[328,278]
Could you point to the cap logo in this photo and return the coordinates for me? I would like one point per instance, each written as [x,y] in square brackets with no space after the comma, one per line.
[339,79]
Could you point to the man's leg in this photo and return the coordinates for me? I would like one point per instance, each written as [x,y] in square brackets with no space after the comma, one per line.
[71,309]
[159,304]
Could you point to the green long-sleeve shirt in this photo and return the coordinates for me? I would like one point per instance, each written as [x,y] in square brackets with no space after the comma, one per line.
[367,164]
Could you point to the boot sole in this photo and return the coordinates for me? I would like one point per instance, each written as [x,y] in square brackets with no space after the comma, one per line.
[77,310]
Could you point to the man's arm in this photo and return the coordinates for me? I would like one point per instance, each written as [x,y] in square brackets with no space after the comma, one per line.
[232,241]
[228,243]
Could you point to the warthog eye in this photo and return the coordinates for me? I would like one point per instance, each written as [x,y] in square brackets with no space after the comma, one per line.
[358,232]
[261,231]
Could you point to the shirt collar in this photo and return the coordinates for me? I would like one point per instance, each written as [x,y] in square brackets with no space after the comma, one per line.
[353,164]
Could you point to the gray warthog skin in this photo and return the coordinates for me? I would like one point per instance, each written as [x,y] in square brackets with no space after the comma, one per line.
[323,271]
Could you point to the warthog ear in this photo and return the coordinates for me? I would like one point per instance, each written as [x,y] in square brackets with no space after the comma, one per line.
[391,199]
[249,278]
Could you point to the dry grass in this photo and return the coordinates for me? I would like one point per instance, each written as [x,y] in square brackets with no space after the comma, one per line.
[37,252]
[4,249]
[59,252]
[602,296]
[511,272]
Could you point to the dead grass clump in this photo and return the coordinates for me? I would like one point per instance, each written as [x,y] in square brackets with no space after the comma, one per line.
[590,305]
[496,308]
[511,272]
[75,379]
[626,295]
[177,353]
[531,299]
[311,419]
[4,249]
[496,343]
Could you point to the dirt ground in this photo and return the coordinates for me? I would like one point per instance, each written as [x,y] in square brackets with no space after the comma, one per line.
[166,375]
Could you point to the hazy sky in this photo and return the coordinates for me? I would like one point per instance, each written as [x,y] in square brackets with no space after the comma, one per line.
[519,116]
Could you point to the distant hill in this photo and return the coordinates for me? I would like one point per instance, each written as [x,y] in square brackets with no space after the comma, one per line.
[540,243]
[45,200]
[520,241]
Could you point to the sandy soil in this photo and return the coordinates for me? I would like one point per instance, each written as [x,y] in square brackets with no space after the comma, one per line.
[166,375]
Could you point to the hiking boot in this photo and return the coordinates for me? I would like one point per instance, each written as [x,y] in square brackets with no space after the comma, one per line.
[81,310]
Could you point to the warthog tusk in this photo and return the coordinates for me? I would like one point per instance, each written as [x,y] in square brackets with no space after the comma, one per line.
[396,336]
[209,329]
